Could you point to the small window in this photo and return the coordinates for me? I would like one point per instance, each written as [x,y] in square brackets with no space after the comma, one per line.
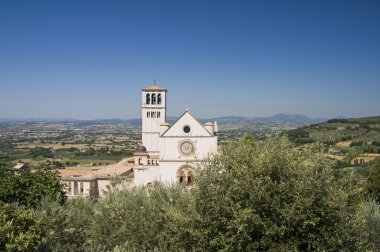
[153,98]
[148,114]
[186,129]
[76,188]
[81,188]
[69,188]
[159,99]
[147,98]
[158,114]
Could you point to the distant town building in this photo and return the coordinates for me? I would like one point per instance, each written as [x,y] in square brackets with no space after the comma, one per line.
[20,166]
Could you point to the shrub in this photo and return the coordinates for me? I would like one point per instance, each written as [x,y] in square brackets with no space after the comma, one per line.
[20,228]
[28,188]
[373,185]
[66,226]
[271,196]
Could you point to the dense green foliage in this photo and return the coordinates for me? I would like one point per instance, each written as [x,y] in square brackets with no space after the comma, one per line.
[28,187]
[43,152]
[367,222]
[363,120]
[254,196]
[272,196]
[373,184]
[20,228]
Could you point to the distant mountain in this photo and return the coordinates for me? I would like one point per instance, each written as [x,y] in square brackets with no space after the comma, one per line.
[225,120]
[278,118]
[37,119]
[230,120]
[292,118]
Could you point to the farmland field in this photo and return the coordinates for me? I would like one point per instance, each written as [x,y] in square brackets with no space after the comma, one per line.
[352,142]
[82,143]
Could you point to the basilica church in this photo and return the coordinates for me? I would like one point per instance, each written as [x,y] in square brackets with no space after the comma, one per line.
[170,153]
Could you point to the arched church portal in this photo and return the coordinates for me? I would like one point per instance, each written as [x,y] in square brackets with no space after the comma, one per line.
[185,176]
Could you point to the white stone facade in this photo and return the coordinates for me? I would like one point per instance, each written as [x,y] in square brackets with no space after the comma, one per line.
[170,153]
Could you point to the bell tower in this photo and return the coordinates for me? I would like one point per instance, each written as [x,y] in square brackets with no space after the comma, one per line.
[153,115]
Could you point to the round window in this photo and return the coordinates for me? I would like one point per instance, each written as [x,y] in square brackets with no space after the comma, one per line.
[186,147]
[186,129]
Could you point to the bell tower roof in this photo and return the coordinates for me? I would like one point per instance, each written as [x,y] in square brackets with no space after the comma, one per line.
[154,88]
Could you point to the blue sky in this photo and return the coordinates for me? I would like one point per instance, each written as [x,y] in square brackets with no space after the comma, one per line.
[89,59]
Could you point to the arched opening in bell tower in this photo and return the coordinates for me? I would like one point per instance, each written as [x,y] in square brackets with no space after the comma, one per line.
[153,98]
[147,99]
[159,99]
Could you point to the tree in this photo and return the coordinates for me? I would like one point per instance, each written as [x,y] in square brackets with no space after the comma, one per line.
[373,185]
[20,228]
[271,196]
[367,220]
[254,196]
[65,226]
[29,187]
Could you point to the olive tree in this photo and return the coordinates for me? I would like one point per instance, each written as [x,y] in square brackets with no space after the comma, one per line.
[373,185]
[270,195]
[29,187]
[20,228]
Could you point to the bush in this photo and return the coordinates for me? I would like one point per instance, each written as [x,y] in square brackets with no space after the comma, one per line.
[368,223]
[271,196]
[144,221]
[28,188]
[66,226]
[373,185]
[254,196]
[43,152]
[20,229]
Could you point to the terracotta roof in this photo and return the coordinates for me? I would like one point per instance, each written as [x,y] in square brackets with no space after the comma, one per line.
[113,170]
[98,171]
[154,88]
[74,172]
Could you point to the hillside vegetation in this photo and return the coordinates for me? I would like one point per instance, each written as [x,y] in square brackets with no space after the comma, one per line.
[256,196]
[354,142]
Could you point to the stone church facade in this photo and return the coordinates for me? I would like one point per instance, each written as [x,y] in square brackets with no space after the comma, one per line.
[170,153]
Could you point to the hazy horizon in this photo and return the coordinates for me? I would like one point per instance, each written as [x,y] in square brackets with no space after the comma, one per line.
[170,116]
[89,59]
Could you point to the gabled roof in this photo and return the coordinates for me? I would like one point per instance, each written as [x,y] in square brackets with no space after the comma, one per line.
[201,130]
[89,173]
[154,88]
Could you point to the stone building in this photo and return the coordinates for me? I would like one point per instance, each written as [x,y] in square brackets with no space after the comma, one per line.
[169,153]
